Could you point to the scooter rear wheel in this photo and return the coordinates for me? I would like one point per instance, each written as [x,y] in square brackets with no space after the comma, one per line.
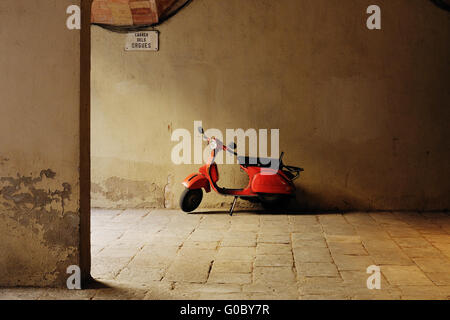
[190,199]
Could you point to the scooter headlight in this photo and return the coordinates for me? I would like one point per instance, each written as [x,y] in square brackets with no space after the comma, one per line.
[213,144]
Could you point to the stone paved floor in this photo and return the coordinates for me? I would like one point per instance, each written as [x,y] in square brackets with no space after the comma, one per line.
[167,254]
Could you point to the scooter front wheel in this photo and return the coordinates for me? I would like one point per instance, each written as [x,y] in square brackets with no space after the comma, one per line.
[190,199]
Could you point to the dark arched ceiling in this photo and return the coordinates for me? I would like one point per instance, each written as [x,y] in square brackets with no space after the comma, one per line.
[132,15]
[444,4]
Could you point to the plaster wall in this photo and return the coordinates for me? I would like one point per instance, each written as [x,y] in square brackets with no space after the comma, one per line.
[365,112]
[39,143]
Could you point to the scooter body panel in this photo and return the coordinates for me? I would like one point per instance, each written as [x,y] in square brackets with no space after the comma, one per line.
[197,181]
[272,183]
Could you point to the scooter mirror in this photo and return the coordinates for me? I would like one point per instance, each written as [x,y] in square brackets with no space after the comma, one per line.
[200,129]
[232,146]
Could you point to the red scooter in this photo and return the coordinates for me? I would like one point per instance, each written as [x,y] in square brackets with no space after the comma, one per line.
[270,181]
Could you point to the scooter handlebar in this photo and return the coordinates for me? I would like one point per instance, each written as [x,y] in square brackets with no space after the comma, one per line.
[218,142]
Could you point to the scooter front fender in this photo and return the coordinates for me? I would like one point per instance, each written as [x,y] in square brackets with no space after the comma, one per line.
[197,181]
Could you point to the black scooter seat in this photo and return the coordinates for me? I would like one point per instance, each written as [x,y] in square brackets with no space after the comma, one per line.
[257,162]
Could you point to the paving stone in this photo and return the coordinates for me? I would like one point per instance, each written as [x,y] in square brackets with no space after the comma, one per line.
[301,228]
[297,242]
[424,297]
[247,217]
[196,255]
[207,288]
[273,228]
[236,253]
[357,218]
[168,240]
[320,269]
[332,219]
[339,230]
[440,239]
[439,278]
[317,254]
[141,274]
[273,249]
[274,260]
[274,238]
[214,223]
[349,262]
[412,242]
[394,257]
[188,271]
[422,292]
[355,276]
[246,227]
[298,236]
[422,252]
[324,297]
[386,252]
[107,267]
[433,264]
[402,232]
[347,248]
[156,256]
[238,242]
[376,296]
[224,296]
[321,286]
[22,293]
[208,235]
[278,296]
[136,238]
[386,218]
[304,219]
[66,294]
[233,234]
[343,239]
[167,291]
[405,276]
[443,247]
[371,233]
[230,277]
[274,223]
[132,252]
[232,266]
[277,275]
[272,288]
[358,279]
[115,290]
[212,245]
[116,251]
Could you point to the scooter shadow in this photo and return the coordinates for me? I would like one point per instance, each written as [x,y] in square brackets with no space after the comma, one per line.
[265,211]
[224,211]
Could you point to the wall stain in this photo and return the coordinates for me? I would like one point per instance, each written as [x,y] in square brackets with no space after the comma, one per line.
[28,203]
[168,194]
[117,189]
[3,161]
[34,198]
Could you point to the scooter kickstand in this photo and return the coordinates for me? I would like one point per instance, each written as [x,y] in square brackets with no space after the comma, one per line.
[232,206]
